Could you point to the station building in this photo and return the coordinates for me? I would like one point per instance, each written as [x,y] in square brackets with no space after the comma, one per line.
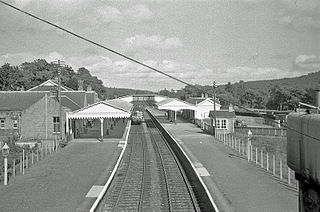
[35,113]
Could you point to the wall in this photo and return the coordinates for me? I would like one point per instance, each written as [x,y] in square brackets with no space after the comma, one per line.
[251,120]
[34,122]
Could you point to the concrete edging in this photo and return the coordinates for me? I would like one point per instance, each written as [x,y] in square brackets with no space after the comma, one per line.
[104,190]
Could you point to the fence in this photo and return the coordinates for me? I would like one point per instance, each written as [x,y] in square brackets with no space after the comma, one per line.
[262,131]
[20,161]
[272,163]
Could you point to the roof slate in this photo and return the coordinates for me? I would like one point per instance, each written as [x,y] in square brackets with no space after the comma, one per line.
[19,100]
[121,104]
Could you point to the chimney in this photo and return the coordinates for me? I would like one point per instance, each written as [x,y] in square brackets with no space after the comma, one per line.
[89,88]
[231,108]
[80,85]
[318,95]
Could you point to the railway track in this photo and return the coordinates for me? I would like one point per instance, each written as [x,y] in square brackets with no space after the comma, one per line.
[133,188]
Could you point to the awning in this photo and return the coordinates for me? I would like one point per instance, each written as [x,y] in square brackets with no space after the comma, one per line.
[175,105]
[104,109]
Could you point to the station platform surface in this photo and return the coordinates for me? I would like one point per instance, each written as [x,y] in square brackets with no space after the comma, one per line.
[234,184]
[61,181]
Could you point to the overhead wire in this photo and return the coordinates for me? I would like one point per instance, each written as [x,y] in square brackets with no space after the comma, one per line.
[134,60]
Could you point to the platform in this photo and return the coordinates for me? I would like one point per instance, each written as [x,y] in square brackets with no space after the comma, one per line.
[234,184]
[62,180]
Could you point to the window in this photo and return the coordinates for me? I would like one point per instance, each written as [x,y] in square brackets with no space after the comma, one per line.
[56,124]
[218,124]
[224,124]
[2,122]
[221,124]
[15,124]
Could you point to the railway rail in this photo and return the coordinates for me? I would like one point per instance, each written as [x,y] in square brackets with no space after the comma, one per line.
[132,187]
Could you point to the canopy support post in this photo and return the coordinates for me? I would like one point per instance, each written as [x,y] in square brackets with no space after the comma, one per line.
[101,128]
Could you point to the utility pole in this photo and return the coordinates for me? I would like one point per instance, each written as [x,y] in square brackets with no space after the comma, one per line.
[214,102]
[59,98]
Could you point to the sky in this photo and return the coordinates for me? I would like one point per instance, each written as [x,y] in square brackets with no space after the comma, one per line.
[196,41]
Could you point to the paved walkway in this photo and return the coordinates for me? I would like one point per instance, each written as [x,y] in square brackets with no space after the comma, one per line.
[235,184]
[61,181]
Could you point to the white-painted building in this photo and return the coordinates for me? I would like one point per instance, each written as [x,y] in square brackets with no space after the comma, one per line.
[203,107]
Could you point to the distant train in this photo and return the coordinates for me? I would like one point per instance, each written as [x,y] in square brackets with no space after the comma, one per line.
[137,117]
[303,156]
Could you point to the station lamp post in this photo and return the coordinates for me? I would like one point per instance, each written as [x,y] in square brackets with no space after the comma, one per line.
[214,105]
[5,153]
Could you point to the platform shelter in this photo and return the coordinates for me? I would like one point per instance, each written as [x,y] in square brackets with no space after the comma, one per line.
[104,111]
[173,105]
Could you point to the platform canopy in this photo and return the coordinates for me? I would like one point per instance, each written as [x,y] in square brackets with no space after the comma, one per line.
[174,105]
[114,108]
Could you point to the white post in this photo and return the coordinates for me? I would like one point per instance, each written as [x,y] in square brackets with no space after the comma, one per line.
[242,146]
[31,157]
[273,165]
[267,161]
[251,155]
[53,146]
[20,164]
[5,180]
[27,160]
[14,167]
[101,128]
[261,161]
[249,148]
[256,155]
[67,124]
[280,168]
[239,149]
[289,177]
[23,161]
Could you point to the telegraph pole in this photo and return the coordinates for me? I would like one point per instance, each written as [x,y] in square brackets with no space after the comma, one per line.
[59,98]
[214,102]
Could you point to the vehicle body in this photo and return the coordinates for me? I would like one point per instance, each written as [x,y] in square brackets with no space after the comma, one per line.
[303,156]
[137,117]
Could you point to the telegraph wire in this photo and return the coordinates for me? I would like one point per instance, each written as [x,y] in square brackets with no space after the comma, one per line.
[136,61]
[95,43]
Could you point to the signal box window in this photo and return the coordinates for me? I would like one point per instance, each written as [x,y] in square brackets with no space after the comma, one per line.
[2,123]
[218,124]
[224,124]
[56,124]
[15,124]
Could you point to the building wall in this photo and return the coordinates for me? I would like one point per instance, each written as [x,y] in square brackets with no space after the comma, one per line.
[36,122]
[230,126]
[8,129]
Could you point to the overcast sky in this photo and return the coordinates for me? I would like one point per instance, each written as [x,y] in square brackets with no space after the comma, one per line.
[196,41]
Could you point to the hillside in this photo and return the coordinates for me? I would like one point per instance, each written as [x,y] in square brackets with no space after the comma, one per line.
[306,82]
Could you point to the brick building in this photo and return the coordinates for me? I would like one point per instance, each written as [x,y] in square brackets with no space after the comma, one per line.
[35,113]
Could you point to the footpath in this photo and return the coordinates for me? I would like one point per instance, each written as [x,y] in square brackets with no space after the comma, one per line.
[234,184]
[62,180]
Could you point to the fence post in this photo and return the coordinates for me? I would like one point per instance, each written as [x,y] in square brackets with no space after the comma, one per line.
[242,145]
[20,164]
[31,157]
[14,167]
[23,159]
[251,155]
[256,155]
[280,168]
[27,160]
[261,160]
[37,155]
[239,143]
[273,165]
[267,161]
[249,148]
[289,180]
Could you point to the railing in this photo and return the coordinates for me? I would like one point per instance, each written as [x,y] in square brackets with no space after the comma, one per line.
[262,131]
[18,162]
[273,163]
